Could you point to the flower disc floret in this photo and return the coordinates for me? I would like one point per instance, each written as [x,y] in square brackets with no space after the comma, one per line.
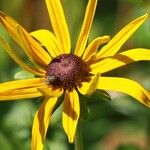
[67,71]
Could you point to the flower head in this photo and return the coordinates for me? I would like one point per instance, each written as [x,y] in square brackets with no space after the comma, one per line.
[60,72]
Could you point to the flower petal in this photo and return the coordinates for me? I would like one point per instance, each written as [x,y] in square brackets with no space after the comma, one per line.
[121,37]
[48,40]
[20,89]
[86,27]
[18,60]
[126,86]
[41,123]
[31,47]
[120,60]
[88,88]
[71,113]
[19,84]
[59,24]
[49,91]
[18,94]
[93,47]
[10,25]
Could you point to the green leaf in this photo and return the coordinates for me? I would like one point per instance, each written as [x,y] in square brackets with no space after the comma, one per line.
[23,75]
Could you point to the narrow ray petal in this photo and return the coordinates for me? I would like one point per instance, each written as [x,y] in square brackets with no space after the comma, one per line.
[21,89]
[88,88]
[10,25]
[119,39]
[21,84]
[35,53]
[59,24]
[121,59]
[71,113]
[18,60]
[48,40]
[126,86]
[86,27]
[33,49]
[41,123]
[18,94]
[50,91]
[93,47]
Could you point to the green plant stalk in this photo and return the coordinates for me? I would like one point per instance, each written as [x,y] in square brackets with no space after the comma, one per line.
[79,138]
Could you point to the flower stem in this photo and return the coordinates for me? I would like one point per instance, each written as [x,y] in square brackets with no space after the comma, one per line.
[79,138]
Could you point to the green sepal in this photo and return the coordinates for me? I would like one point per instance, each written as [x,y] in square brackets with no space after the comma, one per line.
[102,95]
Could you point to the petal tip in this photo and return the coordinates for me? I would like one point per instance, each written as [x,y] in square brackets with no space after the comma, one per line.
[107,38]
[71,139]
[145,16]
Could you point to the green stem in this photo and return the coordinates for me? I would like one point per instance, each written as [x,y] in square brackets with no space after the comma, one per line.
[78,138]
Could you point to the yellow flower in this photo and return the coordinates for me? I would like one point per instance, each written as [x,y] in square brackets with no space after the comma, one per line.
[59,72]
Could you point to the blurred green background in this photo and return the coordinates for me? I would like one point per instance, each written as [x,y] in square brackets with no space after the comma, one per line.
[120,124]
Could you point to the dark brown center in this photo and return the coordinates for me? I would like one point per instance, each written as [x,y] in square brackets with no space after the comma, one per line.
[67,71]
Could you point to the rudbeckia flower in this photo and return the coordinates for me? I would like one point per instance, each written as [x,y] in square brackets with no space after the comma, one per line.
[59,72]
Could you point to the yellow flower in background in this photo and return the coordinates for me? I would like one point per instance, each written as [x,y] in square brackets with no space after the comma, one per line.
[59,72]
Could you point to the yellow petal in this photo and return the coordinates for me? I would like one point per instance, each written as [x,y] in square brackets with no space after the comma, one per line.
[120,38]
[18,60]
[10,25]
[41,123]
[120,60]
[20,84]
[86,27]
[35,52]
[93,47]
[48,40]
[49,91]
[126,86]
[59,24]
[71,113]
[33,49]
[20,89]
[88,88]
[18,94]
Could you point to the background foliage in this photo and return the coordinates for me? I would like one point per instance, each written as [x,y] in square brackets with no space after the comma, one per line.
[120,124]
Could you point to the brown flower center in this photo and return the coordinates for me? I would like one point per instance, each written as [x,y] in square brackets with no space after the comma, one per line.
[67,71]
